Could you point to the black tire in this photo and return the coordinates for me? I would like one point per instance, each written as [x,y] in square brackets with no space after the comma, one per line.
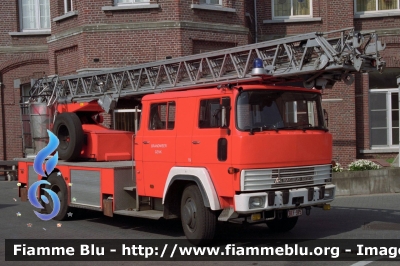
[68,129]
[198,221]
[282,225]
[58,185]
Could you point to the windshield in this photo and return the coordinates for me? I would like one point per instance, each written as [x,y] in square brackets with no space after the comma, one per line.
[259,110]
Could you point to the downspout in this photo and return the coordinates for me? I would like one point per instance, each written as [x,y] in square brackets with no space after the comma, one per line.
[255,22]
[3,119]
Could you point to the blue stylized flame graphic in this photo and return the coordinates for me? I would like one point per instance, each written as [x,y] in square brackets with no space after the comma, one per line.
[42,155]
[32,198]
[38,167]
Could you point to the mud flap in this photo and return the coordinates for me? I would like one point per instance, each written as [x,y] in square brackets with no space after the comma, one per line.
[108,207]
[23,192]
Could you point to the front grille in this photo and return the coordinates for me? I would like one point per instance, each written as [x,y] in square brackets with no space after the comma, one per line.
[263,179]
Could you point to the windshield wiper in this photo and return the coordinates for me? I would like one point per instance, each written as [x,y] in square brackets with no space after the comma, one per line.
[289,127]
[262,128]
[304,127]
[253,128]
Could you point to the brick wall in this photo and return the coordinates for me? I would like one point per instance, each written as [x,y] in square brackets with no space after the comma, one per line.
[90,12]
[134,36]
[102,39]
[348,118]
[11,105]
[128,37]
[21,57]
[342,121]
[387,29]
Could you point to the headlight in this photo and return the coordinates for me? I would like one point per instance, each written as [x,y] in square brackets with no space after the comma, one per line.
[328,193]
[256,202]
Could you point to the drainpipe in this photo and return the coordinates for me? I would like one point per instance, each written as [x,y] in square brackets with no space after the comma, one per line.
[398,84]
[255,21]
[3,119]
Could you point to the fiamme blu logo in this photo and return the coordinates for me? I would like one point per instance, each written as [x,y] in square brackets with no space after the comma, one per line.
[38,167]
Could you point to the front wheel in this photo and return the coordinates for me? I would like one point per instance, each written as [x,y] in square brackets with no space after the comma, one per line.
[198,221]
[282,225]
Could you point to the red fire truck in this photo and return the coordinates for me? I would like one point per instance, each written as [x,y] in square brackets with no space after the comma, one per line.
[220,136]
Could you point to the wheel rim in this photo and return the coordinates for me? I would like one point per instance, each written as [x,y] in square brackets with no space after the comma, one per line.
[63,136]
[189,214]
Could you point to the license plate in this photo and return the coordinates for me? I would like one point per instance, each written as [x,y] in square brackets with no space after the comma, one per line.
[294,213]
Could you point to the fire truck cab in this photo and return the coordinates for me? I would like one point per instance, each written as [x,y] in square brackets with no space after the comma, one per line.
[225,152]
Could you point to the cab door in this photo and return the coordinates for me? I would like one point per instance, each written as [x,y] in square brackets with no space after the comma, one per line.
[158,143]
[211,144]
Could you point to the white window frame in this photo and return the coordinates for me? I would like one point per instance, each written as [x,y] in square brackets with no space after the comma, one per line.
[66,6]
[376,8]
[132,2]
[207,2]
[37,13]
[388,92]
[291,12]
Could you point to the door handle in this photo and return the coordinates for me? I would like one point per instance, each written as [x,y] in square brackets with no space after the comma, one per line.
[146,142]
[196,142]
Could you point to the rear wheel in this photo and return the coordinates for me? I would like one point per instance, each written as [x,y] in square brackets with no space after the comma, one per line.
[282,225]
[198,221]
[58,186]
[68,129]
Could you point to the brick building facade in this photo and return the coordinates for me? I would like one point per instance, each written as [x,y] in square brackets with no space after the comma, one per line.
[363,117]
[46,37]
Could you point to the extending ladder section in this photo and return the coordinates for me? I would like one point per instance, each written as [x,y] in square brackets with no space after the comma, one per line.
[317,59]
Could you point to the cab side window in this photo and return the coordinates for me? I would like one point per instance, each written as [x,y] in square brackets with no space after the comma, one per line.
[162,116]
[210,113]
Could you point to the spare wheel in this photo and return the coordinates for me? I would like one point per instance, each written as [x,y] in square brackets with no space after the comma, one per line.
[68,129]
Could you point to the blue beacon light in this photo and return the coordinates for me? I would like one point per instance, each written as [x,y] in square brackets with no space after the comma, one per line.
[258,68]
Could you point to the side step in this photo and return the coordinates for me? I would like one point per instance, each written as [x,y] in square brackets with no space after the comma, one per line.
[150,214]
[130,188]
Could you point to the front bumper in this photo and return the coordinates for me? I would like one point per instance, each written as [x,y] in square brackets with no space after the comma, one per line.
[286,199]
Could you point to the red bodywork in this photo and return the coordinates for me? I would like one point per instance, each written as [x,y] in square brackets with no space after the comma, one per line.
[79,107]
[103,144]
[100,143]
[191,146]
[106,176]
[187,145]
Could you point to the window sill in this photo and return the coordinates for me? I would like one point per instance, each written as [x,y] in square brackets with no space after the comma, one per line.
[27,33]
[213,8]
[129,7]
[332,100]
[66,15]
[292,20]
[380,150]
[378,14]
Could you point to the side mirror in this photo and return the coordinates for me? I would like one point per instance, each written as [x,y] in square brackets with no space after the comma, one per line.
[223,117]
[225,107]
[326,117]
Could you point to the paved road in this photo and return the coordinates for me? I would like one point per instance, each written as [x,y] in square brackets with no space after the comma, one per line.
[356,217]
